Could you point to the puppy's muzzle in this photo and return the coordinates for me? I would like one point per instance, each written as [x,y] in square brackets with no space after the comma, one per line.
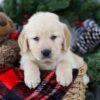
[46,53]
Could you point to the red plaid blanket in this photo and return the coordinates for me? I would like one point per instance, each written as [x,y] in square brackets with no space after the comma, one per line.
[12,86]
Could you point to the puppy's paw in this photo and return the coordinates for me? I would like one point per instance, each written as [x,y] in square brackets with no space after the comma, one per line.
[64,77]
[32,80]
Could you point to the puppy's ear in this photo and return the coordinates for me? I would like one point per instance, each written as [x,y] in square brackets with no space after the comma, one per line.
[66,37]
[23,42]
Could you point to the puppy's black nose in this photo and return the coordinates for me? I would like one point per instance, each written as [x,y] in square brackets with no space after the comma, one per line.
[46,53]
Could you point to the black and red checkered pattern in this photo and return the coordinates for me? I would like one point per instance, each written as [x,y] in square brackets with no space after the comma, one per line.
[12,86]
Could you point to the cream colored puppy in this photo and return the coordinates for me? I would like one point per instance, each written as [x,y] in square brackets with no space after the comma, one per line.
[45,45]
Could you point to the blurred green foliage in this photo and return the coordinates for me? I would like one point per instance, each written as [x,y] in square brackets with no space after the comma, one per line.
[70,9]
[17,8]
[93,61]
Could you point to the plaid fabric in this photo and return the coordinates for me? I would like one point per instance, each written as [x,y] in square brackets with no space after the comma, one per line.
[12,86]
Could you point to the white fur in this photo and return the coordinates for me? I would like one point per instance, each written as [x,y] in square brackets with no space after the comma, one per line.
[44,25]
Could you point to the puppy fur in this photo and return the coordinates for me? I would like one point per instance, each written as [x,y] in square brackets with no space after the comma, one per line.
[45,31]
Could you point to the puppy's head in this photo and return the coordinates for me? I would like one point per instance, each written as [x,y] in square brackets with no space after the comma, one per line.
[45,37]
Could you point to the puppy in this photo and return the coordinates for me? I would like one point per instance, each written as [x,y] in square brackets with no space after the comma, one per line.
[45,45]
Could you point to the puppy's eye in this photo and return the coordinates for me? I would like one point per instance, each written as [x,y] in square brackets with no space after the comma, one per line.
[53,37]
[36,38]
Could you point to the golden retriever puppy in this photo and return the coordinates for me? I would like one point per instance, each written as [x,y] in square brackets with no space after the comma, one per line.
[45,45]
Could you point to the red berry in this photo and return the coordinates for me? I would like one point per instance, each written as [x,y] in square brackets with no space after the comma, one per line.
[14,35]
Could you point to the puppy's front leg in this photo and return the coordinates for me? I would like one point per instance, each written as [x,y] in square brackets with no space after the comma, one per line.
[64,73]
[31,74]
